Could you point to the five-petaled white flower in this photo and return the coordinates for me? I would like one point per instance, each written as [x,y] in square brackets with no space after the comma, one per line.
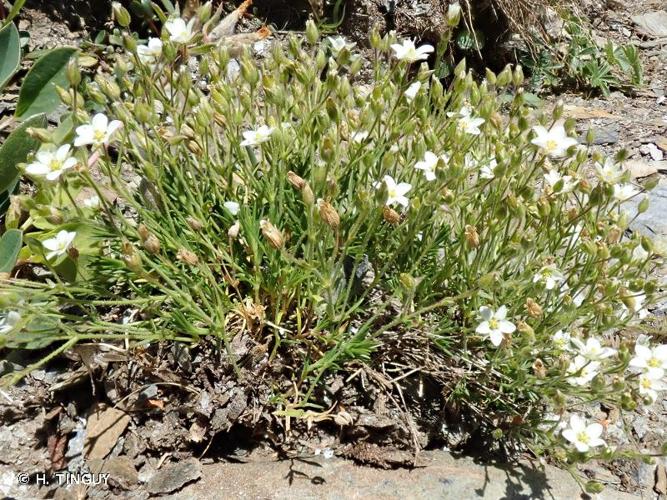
[406,51]
[494,325]
[59,244]
[255,137]
[623,192]
[553,178]
[555,142]
[395,191]
[582,435]
[411,91]
[338,43]
[179,31]
[562,340]
[550,276]
[609,171]
[592,349]
[52,163]
[651,361]
[428,164]
[649,387]
[9,321]
[232,206]
[150,53]
[98,132]
[470,125]
[92,202]
[582,370]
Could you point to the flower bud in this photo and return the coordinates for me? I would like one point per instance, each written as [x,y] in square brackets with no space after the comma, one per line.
[328,214]
[643,205]
[390,215]
[41,134]
[130,257]
[471,236]
[533,308]
[517,76]
[504,77]
[295,180]
[272,234]
[454,14]
[312,33]
[130,43]
[187,256]
[525,329]
[73,72]
[307,195]
[490,77]
[194,224]
[64,95]
[249,72]
[120,14]
[375,39]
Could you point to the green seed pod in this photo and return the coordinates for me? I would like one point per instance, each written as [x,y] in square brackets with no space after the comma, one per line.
[73,72]
[490,77]
[643,205]
[460,69]
[505,77]
[517,76]
[356,65]
[375,39]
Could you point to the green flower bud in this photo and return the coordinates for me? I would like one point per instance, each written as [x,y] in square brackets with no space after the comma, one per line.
[453,15]
[504,77]
[517,76]
[490,77]
[643,205]
[375,39]
[460,70]
[73,72]
[593,487]
[312,33]
[121,15]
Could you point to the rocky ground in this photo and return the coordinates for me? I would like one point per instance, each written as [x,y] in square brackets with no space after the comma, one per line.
[112,443]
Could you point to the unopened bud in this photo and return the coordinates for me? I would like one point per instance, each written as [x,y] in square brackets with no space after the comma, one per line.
[312,33]
[525,329]
[73,253]
[307,195]
[41,134]
[614,235]
[120,14]
[453,14]
[328,214]
[272,234]
[73,72]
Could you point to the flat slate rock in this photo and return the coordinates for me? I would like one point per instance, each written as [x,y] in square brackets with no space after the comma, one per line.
[653,222]
[440,476]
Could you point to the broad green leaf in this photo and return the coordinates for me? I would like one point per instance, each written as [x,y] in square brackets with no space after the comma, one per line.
[10,245]
[10,53]
[15,150]
[16,8]
[38,92]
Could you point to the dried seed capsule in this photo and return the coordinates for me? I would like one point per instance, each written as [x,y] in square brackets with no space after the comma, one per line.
[187,256]
[272,234]
[390,215]
[328,214]
[472,238]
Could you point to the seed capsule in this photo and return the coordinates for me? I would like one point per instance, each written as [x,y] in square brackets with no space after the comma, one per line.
[272,234]
[328,214]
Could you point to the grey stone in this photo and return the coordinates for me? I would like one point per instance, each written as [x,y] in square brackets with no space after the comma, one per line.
[437,475]
[653,24]
[654,221]
[604,135]
[174,476]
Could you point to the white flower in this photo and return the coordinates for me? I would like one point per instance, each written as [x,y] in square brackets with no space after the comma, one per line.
[582,435]
[150,53]
[98,132]
[428,164]
[339,43]
[52,163]
[464,112]
[92,202]
[561,340]
[470,125]
[8,323]
[396,192]
[180,32]
[494,324]
[582,370]
[649,387]
[488,170]
[593,349]
[359,136]
[59,245]
[255,137]
[651,361]
[623,192]
[454,12]
[553,177]
[232,206]
[411,91]
[407,51]
[555,141]
[549,275]
[609,171]
[639,253]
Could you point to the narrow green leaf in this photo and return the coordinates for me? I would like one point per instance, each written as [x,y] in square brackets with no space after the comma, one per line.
[10,53]
[10,245]
[15,150]
[16,8]
[38,92]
